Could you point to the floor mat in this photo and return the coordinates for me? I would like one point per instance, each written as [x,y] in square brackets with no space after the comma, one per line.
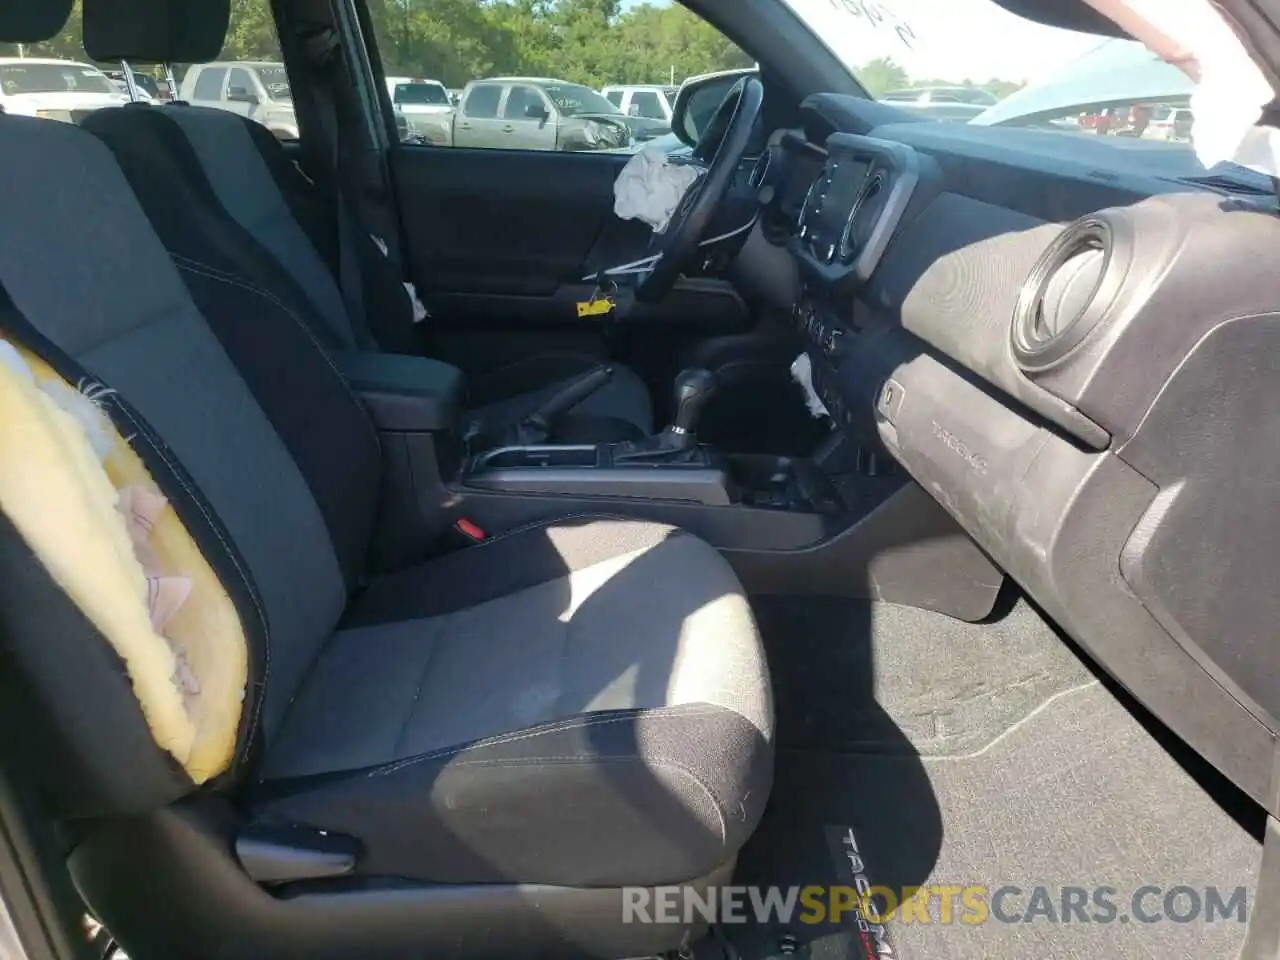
[879,677]
[960,756]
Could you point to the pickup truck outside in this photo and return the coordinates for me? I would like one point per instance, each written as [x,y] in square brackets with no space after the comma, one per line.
[422,103]
[536,113]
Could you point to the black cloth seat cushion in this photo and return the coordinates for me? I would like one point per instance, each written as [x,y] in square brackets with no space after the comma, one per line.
[581,703]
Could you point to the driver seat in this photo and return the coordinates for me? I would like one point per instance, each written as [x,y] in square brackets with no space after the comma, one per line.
[248,208]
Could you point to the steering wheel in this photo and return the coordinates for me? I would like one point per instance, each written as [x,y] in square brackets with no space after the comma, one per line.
[722,146]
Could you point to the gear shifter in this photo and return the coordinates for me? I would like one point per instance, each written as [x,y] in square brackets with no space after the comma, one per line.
[678,443]
[693,388]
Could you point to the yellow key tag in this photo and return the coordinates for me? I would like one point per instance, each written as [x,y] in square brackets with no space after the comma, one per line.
[595,308]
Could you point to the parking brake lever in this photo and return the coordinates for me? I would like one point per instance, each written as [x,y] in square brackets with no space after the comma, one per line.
[536,428]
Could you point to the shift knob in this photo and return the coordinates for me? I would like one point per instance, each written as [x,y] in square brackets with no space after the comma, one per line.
[693,388]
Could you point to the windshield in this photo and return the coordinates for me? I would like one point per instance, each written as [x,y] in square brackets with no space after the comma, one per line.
[276,82]
[421,93]
[573,99]
[54,78]
[972,61]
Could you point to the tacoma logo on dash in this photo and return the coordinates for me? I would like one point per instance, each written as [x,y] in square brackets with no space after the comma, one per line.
[956,445]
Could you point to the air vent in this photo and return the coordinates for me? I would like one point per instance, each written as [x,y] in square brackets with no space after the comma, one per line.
[863,217]
[1067,293]
[811,212]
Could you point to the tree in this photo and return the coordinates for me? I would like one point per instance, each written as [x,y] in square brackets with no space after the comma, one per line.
[1002,88]
[881,75]
[252,34]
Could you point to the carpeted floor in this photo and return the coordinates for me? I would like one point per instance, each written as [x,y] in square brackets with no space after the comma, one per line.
[977,755]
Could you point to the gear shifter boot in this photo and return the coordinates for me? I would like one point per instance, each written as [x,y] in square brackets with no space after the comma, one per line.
[678,443]
[665,447]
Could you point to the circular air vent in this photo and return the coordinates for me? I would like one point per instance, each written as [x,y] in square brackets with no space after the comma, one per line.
[1067,293]
[813,200]
[863,217]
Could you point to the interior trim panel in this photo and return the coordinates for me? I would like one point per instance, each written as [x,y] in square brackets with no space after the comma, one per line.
[1036,344]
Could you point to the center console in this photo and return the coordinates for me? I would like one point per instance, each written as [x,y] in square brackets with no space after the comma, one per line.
[815,526]
[671,466]
[709,478]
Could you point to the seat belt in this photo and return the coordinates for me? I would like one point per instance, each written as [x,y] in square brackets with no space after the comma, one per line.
[324,52]
[350,273]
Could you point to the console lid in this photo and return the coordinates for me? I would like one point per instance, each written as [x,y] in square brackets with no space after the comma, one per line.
[406,394]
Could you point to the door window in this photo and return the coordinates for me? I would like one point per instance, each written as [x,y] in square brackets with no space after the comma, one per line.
[209,84]
[645,103]
[251,47]
[482,102]
[560,53]
[241,81]
[519,100]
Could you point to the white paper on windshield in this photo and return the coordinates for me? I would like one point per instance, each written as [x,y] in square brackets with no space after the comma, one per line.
[1230,91]
[649,188]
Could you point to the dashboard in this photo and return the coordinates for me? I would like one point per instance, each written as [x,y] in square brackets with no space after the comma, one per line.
[1076,351]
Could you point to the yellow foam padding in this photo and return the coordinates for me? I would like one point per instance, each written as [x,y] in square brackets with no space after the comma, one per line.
[62,501]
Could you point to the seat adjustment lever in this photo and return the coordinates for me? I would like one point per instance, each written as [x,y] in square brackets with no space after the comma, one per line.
[273,853]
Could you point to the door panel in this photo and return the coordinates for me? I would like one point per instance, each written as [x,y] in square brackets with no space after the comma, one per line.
[498,242]
[501,222]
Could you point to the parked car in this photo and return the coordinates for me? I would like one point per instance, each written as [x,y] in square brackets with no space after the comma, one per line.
[652,101]
[943,103]
[1170,123]
[55,89]
[257,89]
[415,99]
[148,87]
[537,113]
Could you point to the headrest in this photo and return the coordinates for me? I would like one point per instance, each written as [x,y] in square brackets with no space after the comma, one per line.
[30,21]
[155,31]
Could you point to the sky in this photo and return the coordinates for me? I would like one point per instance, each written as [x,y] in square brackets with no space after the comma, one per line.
[950,39]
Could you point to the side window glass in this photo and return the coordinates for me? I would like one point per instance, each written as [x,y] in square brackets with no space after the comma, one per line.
[519,100]
[587,61]
[240,83]
[250,59]
[209,84]
[644,103]
[482,102]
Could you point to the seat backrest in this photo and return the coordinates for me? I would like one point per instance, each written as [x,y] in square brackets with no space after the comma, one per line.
[249,449]
[292,217]
[232,161]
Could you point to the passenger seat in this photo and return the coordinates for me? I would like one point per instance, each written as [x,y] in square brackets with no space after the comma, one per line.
[288,243]
[474,757]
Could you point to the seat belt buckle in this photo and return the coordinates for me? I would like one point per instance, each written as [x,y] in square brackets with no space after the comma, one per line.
[469,530]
